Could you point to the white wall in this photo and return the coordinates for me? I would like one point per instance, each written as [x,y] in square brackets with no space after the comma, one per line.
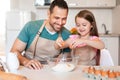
[22,5]
[102,15]
[14,23]
[116,20]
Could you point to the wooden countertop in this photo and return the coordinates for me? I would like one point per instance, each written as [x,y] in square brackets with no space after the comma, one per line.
[109,35]
[47,74]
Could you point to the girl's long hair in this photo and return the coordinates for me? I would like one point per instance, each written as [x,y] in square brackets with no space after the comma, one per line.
[94,31]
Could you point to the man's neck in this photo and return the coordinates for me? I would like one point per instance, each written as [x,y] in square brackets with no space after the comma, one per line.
[49,28]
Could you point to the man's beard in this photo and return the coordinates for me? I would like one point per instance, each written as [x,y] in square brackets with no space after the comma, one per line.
[53,27]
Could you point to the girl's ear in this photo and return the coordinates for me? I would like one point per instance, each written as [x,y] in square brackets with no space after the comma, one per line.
[91,26]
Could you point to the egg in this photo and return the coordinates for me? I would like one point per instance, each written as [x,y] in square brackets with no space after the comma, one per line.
[117,74]
[91,70]
[111,74]
[97,72]
[104,73]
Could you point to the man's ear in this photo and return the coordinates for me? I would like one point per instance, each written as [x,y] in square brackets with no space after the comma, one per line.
[48,13]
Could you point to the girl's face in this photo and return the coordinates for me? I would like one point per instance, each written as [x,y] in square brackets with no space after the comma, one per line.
[83,27]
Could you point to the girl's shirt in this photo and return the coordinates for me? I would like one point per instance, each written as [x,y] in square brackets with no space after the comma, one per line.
[83,44]
[86,53]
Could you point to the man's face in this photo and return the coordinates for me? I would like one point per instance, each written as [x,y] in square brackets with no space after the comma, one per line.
[57,19]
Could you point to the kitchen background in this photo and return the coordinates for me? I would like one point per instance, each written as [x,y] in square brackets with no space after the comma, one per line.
[105,11]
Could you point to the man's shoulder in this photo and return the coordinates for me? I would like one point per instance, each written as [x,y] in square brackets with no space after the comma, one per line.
[65,31]
[35,23]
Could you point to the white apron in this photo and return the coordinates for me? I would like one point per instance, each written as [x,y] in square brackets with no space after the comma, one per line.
[41,48]
[87,55]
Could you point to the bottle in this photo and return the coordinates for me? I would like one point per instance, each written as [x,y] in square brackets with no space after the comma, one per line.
[12,62]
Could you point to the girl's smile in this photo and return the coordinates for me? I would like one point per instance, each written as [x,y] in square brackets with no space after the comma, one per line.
[83,26]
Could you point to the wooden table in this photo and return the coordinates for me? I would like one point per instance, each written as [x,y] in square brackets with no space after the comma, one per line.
[47,74]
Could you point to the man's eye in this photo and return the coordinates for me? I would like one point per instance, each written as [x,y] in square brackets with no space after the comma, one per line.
[56,17]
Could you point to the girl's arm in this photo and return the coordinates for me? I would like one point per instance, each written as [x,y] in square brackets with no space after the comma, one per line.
[94,42]
[98,44]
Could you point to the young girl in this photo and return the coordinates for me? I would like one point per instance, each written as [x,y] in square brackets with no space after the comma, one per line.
[86,43]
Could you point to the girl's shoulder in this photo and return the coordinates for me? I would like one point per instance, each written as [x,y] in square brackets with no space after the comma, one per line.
[74,36]
[94,38]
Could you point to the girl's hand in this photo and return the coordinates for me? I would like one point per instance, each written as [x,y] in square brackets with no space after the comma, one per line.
[77,43]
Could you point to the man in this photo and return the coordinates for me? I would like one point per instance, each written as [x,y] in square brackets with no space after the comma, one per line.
[37,38]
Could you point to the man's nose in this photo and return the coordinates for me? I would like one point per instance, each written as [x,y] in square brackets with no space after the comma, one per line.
[60,22]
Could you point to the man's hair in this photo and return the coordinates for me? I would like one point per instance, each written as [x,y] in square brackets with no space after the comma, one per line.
[60,3]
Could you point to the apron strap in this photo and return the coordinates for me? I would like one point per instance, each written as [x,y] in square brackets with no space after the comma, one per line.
[37,37]
[40,30]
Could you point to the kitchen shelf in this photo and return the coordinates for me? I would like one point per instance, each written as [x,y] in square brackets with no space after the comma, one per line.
[79,7]
[86,4]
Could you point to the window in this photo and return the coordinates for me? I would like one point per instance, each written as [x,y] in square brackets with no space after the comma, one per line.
[4,7]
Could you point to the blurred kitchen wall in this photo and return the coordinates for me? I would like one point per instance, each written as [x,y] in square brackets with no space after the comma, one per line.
[116,18]
[4,7]
[102,15]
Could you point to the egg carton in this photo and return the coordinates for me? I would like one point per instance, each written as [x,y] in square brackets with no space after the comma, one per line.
[102,73]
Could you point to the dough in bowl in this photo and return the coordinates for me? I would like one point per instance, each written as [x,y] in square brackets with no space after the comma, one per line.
[63,67]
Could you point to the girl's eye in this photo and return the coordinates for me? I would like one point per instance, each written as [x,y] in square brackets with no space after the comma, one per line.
[78,25]
[84,25]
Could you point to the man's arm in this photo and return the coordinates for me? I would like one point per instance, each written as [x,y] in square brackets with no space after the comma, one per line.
[18,47]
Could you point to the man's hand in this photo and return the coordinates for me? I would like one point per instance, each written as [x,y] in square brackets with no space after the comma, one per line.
[59,43]
[33,64]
